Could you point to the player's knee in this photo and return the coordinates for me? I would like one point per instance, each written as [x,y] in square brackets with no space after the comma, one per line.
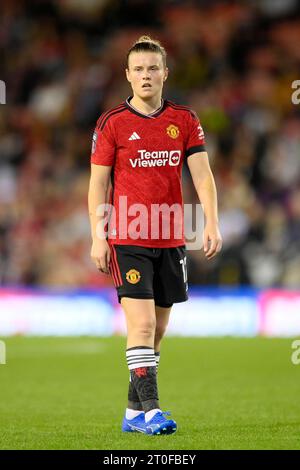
[160,332]
[145,329]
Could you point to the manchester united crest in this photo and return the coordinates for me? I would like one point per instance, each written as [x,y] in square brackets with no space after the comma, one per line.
[173,131]
[133,276]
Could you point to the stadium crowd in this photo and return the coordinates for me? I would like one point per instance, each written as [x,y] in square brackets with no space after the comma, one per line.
[233,62]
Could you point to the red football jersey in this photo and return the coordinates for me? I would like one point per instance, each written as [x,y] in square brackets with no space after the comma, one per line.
[146,153]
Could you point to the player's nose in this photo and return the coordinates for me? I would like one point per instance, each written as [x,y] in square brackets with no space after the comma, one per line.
[146,75]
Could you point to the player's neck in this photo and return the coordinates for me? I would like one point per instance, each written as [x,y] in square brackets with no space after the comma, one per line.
[146,107]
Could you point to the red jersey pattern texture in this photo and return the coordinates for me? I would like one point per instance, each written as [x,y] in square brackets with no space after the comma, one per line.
[146,153]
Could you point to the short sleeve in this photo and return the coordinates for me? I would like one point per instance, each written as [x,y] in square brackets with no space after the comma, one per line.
[196,139]
[103,145]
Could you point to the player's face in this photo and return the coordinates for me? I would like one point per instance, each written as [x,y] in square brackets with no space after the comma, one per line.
[146,74]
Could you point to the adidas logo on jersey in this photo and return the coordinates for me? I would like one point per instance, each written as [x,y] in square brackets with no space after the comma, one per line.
[134,136]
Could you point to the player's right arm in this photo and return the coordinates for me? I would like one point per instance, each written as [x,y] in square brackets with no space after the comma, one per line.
[102,160]
[97,196]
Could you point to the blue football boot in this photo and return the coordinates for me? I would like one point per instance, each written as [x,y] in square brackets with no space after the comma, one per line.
[136,424]
[159,424]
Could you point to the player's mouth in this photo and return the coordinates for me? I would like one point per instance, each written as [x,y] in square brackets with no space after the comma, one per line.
[146,85]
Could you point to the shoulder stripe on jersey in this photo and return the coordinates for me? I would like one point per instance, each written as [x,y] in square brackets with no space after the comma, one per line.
[102,116]
[110,115]
[109,111]
[106,113]
[195,149]
[182,108]
[175,105]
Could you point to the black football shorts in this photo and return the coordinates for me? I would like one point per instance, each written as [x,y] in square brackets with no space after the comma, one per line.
[150,273]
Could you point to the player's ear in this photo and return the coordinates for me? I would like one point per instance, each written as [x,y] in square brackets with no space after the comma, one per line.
[127,74]
[166,74]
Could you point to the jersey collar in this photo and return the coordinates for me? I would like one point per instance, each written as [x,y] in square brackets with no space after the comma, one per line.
[153,115]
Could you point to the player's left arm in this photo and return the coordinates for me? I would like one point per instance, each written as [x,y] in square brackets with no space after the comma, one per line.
[204,183]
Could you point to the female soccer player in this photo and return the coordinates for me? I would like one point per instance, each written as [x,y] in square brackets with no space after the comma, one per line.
[138,151]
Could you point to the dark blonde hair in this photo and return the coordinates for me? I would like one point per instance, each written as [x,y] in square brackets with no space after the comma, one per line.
[146,44]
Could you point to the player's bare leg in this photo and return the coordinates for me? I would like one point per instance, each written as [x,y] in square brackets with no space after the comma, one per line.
[162,319]
[140,320]
[141,327]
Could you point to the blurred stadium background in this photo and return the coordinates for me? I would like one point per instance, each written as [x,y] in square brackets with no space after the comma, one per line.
[234,63]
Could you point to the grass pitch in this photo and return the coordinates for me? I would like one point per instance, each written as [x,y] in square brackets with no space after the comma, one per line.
[224,393]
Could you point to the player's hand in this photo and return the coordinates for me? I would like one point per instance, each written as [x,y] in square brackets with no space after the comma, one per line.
[100,254]
[212,240]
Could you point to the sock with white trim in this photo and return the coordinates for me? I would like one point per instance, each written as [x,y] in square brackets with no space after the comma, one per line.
[149,415]
[133,398]
[142,366]
[157,359]
[130,414]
